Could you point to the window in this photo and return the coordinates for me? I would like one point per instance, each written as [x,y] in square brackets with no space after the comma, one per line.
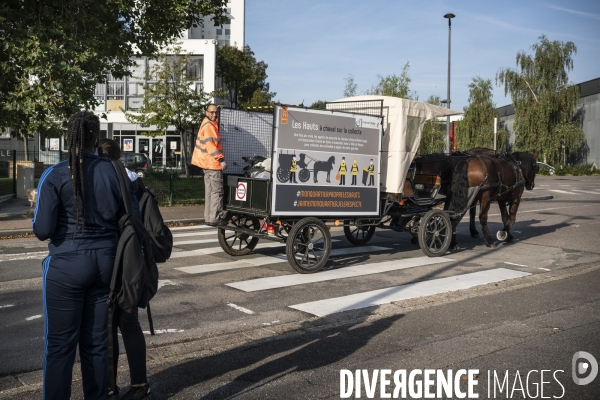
[116,90]
[199,87]
[195,70]
[138,71]
[227,32]
[219,31]
[135,89]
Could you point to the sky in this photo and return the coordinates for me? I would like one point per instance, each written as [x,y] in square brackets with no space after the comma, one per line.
[312,46]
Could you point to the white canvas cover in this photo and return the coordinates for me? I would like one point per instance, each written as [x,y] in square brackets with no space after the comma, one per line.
[404,121]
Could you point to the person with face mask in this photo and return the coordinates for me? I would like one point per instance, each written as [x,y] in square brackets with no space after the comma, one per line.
[371,170]
[342,171]
[354,171]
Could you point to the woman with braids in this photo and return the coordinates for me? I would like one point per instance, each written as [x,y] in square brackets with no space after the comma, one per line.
[128,323]
[78,208]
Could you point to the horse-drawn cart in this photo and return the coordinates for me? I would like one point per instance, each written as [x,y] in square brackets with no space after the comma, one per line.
[379,135]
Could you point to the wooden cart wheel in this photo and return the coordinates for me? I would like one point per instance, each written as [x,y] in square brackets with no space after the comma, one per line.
[304,175]
[282,175]
[238,243]
[359,235]
[435,233]
[308,245]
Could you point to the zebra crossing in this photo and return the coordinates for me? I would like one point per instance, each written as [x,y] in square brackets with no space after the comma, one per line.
[355,301]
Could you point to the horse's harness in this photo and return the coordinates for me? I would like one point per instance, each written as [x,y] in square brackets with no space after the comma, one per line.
[520,178]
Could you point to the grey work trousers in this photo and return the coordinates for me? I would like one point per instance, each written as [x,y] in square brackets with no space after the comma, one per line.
[213,194]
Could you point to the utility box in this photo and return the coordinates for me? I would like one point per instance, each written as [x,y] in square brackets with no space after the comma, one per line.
[24,180]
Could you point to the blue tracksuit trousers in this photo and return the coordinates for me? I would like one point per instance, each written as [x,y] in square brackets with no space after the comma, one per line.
[75,288]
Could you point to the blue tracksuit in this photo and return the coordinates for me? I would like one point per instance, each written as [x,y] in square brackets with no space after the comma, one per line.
[76,274]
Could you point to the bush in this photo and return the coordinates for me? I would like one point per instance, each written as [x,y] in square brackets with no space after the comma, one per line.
[570,170]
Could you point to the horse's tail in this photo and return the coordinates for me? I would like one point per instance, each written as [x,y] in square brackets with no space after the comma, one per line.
[460,187]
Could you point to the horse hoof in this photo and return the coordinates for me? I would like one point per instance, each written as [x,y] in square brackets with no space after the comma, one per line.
[510,239]
[474,234]
[502,235]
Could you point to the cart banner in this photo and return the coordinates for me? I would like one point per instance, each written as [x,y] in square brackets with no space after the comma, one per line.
[325,163]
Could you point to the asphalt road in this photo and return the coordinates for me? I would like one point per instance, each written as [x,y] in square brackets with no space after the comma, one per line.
[239,336]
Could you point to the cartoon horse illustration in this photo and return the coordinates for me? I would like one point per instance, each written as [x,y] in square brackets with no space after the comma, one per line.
[326,166]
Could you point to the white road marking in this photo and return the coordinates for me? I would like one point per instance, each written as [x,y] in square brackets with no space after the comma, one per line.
[563,192]
[167,282]
[200,241]
[242,309]
[181,228]
[518,265]
[212,250]
[202,233]
[543,269]
[24,256]
[544,209]
[564,185]
[346,272]
[420,289]
[260,261]
[585,191]
[8,305]
[159,331]
[33,317]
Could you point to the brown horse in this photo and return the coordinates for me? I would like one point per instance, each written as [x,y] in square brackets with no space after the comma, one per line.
[485,179]
[443,165]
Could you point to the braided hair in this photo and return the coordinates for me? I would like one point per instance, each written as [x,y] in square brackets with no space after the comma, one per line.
[83,132]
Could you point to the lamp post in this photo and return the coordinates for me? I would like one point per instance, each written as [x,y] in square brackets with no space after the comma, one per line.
[449,16]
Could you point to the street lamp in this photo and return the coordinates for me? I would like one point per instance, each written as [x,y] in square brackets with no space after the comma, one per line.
[449,16]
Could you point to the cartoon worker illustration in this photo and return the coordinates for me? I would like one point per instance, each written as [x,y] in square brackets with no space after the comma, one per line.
[293,170]
[342,171]
[371,170]
[354,171]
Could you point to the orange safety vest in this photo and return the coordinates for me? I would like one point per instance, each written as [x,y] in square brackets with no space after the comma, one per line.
[208,150]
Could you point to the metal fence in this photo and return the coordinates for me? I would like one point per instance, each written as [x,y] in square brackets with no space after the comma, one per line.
[244,134]
[168,187]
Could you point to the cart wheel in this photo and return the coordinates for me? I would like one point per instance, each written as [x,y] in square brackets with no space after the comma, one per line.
[238,243]
[435,233]
[304,175]
[308,245]
[359,235]
[282,175]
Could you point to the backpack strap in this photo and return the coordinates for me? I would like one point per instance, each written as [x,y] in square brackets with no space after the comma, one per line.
[123,183]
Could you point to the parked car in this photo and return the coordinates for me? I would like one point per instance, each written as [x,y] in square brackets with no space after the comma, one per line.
[137,162]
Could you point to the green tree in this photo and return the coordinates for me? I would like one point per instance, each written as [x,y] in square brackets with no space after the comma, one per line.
[434,133]
[394,85]
[244,79]
[543,99]
[319,104]
[53,53]
[350,87]
[172,100]
[476,128]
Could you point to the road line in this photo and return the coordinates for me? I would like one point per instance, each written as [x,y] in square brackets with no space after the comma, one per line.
[585,191]
[33,317]
[242,309]
[181,228]
[8,305]
[346,272]
[166,282]
[543,209]
[24,256]
[518,265]
[562,191]
[159,331]
[224,266]
[204,233]
[212,250]
[398,293]
[200,241]
[543,269]
[260,261]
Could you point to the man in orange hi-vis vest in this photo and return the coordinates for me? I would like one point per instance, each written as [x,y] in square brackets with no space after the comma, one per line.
[208,155]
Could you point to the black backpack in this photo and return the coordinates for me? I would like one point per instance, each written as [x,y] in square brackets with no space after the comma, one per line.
[135,275]
[162,239]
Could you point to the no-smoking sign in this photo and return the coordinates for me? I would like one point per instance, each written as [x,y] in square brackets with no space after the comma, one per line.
[240,193]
